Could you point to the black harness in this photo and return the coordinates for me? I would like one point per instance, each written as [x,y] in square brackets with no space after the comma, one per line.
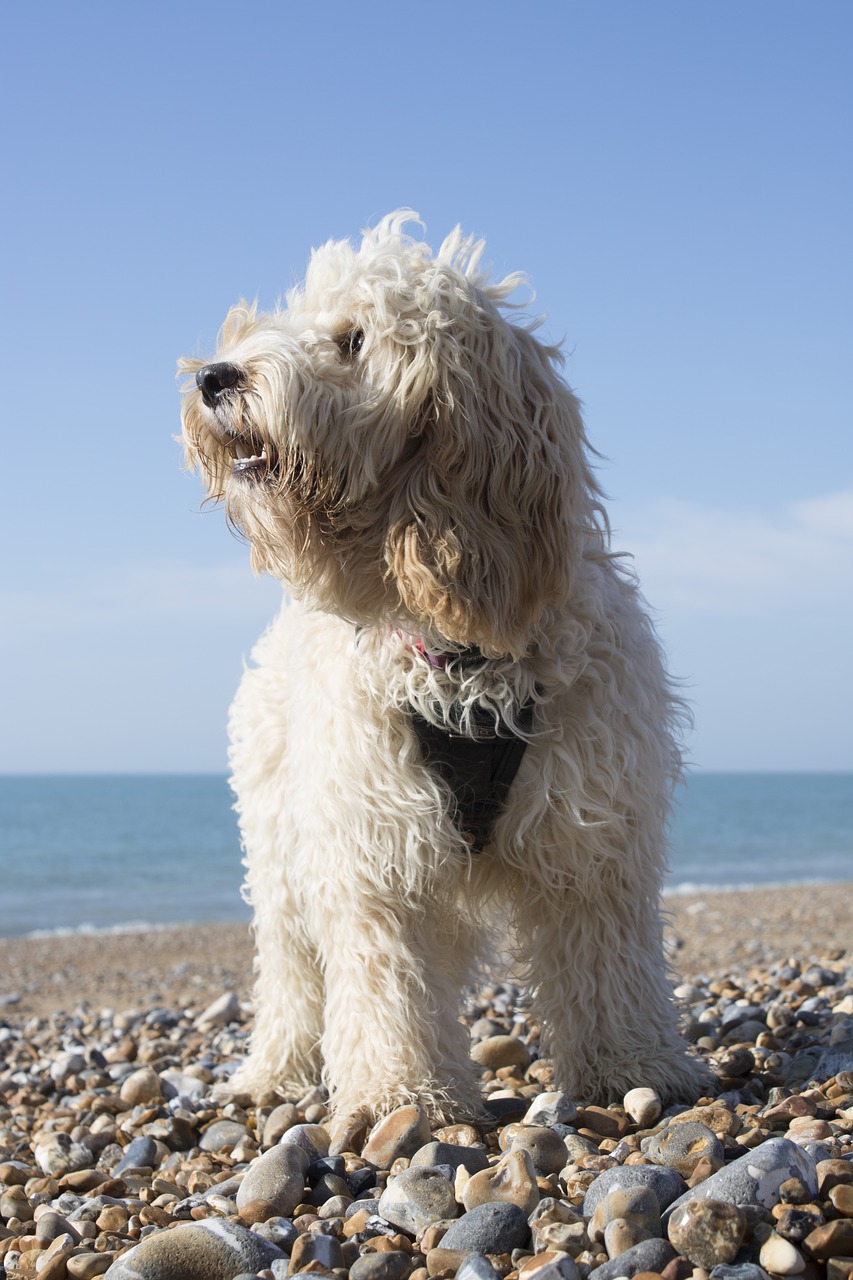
[479,769]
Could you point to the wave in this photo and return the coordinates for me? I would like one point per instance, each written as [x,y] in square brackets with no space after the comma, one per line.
[131,926]
[690,888]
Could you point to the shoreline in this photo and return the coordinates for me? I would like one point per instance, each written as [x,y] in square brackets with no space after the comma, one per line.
[189,965]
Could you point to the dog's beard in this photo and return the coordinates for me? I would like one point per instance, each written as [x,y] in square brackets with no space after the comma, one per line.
[247,468]
[295,508]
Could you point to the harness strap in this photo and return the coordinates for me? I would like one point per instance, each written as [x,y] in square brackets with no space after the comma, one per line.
[479,770]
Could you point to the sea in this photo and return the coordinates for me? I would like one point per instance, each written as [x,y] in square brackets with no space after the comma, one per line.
[121,852]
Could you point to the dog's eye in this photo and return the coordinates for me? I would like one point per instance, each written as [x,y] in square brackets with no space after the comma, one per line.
[351,342]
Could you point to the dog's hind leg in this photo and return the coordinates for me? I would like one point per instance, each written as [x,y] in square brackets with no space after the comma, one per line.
[601,987]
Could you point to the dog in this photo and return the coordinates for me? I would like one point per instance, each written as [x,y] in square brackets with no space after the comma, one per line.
[460,721]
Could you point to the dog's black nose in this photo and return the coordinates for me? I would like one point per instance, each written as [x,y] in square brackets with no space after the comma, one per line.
[213,379]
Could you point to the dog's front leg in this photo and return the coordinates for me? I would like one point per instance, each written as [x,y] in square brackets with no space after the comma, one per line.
[393,975]
[285,1045]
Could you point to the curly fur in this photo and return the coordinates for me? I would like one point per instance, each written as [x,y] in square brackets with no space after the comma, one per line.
[424,485]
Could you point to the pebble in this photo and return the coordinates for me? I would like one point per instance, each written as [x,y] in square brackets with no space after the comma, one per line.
[551,1108]
[831,1239]
[682,1146]
[416,1198]
[490,1228]
[620,1235]
[549,1266]
[638,1205]
[756,1177]
[648,1255]
[312,1139]
[501,1051]
[212,1250]
[781,1257]
[225,1009]
[707,1231]
[476,1266]
[273,1184]
[141,1153]
[315,1247]
[511,1180]
[223,1134]
[391,1264]
[398,1135]
[643,1106]
[474,1159]
[667,1184]
[58,1153]
[140,1087]
[279,1120]
[545,1147]
[116,1148]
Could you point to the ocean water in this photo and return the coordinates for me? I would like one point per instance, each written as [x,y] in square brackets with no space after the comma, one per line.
[106,852]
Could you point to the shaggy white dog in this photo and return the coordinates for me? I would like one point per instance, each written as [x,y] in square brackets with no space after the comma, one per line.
[410,465]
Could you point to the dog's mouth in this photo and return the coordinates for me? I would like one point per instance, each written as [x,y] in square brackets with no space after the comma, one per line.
[251,456]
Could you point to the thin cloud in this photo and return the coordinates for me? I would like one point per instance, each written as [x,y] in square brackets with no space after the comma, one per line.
[138,593]
[719,561]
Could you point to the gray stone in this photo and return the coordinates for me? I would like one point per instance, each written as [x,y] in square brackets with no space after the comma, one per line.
[222,1134]
[211,1250]
[551,1108]
[666,1184]
[836,1058]
[476,1266]
[279,1120]
[498,1227]
[392,1265]
[648,1255]
[739,1271]
[434,1153]
[225,1009]
[577,1145]
[756,1177]
[313,1139]
[638,1205]
[279,1231]
[416,1198]
[141,1153]
[273,1184]
[52,1225]
[67,1064]
[682,1146]
[57,1153]
[547,1151]
[177,1084]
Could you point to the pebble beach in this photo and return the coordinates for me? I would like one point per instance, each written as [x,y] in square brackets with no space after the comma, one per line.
[117,1157]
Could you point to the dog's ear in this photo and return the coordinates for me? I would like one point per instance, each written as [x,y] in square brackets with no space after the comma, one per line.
[493,511]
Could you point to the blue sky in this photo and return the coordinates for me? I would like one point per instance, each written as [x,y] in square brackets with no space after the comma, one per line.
[674,178]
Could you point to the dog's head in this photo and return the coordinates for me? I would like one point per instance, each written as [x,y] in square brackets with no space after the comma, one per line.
[393,447]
